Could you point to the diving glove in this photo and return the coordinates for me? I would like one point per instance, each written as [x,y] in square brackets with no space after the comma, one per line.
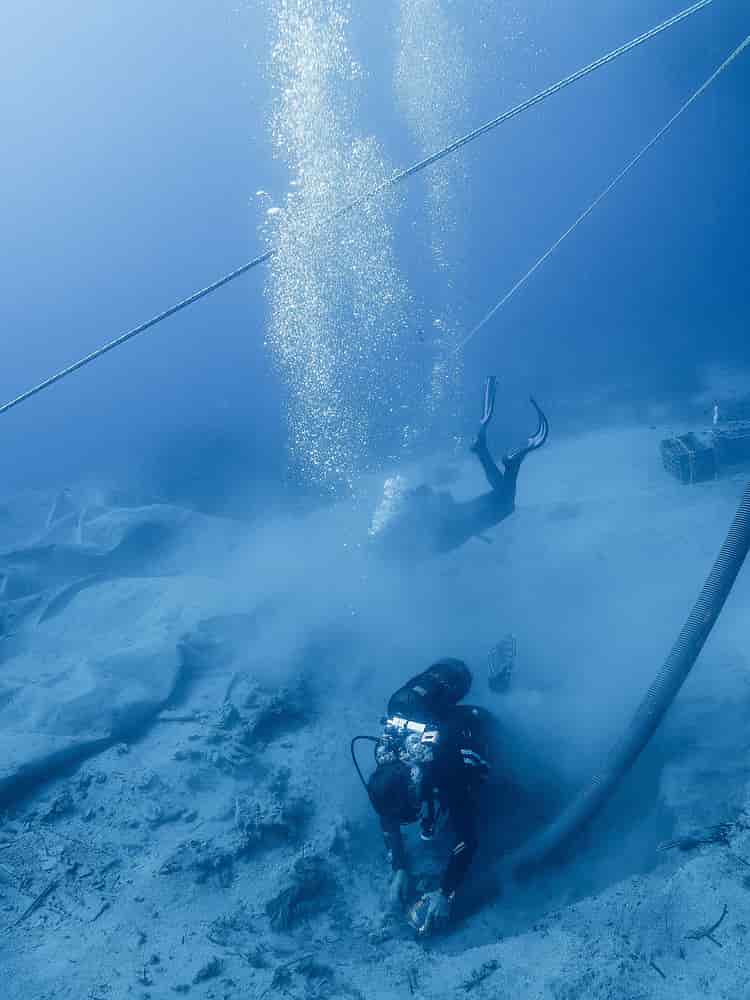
[398,891]
[431,913]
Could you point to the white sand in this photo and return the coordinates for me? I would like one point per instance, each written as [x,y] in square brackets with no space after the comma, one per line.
[154,859]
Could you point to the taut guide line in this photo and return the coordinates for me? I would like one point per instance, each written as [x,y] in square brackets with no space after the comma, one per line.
[396,178]
[602,195]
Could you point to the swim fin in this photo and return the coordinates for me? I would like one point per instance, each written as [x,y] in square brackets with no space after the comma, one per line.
[536,440]
[488,406]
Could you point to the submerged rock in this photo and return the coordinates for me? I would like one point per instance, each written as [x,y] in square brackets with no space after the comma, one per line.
[304,892]
[268,821]
[235,930]
[213,968]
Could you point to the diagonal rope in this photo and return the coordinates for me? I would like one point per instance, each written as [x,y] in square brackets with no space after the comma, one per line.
[536,99]
[183,304]
[363,199]
[601,196]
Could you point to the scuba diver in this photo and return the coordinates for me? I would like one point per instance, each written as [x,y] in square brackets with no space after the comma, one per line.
[431,761]
[424,521]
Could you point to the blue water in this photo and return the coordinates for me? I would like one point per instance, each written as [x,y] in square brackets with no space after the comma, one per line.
[150,148]
[134,144]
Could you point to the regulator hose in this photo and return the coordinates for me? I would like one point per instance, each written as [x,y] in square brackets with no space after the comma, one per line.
[353,752]
[654,704]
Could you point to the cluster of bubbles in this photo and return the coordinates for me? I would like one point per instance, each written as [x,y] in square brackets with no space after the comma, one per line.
[432,85]
[339,308]
[390,504]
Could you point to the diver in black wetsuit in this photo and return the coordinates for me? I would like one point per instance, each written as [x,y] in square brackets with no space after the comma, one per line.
[428,521]
[463,520]
[432,760]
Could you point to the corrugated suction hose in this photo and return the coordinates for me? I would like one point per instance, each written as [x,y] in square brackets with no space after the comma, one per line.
[654,705]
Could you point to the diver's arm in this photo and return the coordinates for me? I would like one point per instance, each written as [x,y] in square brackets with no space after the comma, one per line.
[394,844]
[398,891]
[480,449]
[464,819]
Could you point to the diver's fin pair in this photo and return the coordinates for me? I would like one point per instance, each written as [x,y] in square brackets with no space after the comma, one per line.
[536,440]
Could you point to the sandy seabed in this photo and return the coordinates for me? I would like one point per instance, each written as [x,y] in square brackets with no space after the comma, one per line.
[177,694]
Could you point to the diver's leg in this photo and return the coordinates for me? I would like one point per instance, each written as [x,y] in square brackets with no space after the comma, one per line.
[495,477]
[512,461]
[480,449]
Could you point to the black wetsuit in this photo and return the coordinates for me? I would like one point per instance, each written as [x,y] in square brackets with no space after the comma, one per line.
[432,521]
[453,779]
[461,520]
[427,521]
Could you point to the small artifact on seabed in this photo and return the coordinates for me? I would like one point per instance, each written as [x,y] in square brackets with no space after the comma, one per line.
[698,456]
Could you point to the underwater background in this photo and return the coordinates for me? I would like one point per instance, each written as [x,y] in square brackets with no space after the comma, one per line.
[193,619]
[137,138]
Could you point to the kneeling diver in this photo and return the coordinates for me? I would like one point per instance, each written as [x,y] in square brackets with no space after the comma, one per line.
[428,521]
[432,760]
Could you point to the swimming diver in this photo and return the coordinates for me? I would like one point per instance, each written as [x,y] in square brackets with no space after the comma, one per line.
[432,760]
[424,521]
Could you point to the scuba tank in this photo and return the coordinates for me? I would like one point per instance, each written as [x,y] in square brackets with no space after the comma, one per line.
[411,730]
[429,695]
